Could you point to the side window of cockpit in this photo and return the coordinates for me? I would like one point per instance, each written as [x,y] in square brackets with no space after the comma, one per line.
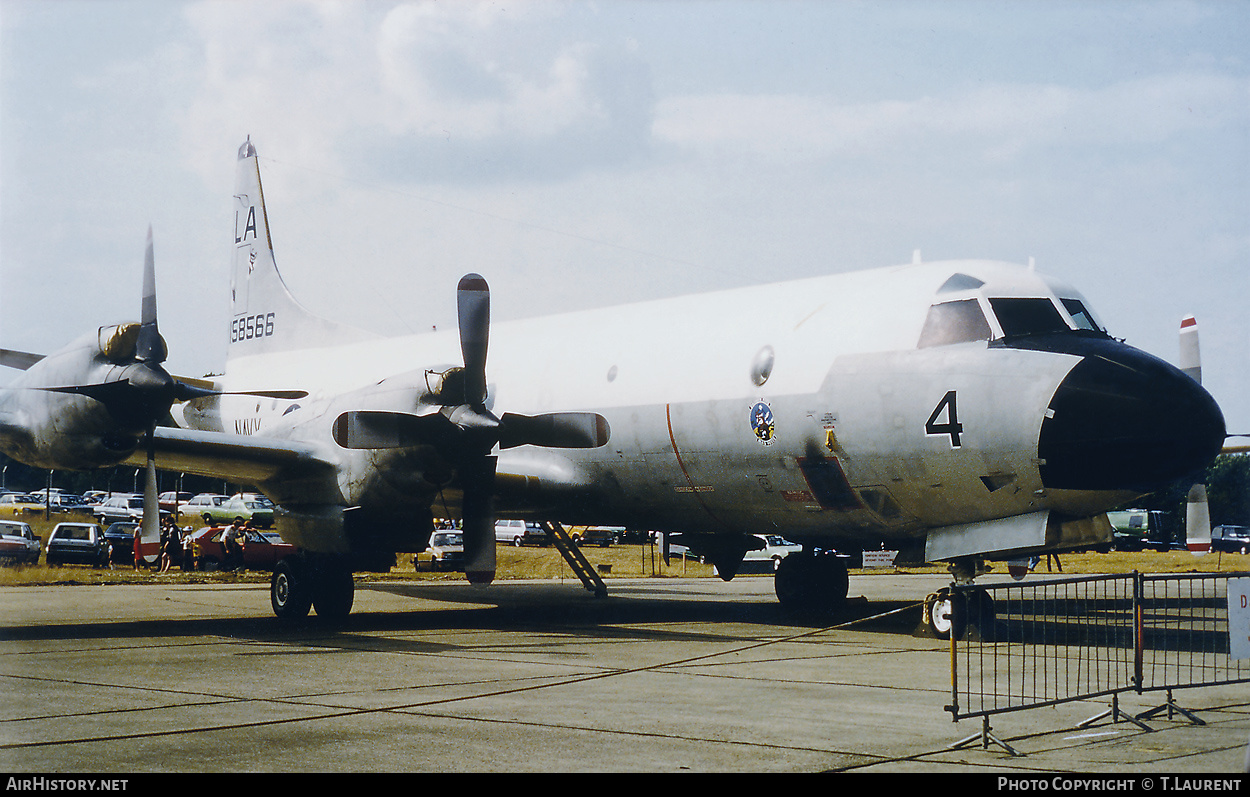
[1082,317]
[954,322]
[1028,316]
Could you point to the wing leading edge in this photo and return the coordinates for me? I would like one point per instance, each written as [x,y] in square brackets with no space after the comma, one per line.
[240,458]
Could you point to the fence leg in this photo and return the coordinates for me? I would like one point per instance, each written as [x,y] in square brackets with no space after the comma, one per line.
[1171,706]
[1116,715]
[985,738]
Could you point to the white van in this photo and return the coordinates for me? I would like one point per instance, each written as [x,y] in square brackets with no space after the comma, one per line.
[520,532]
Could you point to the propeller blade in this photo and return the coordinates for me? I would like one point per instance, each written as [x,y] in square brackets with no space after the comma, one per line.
[151,536]
[1197,521]
[477,477]
[188,392]
[366,429]
[140,396]
[21,360]
[150,348]
[554,430]
[473,313]
[1197,511]
[1191,355]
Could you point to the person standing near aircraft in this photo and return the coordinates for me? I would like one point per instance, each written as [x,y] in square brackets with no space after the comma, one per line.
[171,544]
[135,546]
[232,545]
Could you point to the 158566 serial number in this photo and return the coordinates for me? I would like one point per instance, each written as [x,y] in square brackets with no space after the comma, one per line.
[252,327]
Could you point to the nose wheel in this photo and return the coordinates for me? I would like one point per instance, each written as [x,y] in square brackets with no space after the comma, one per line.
[945,614]
[951,613]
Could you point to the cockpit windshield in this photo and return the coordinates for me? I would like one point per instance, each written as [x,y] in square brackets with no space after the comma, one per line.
[1028,316]
[972,319]
[1080,315]
[954,322]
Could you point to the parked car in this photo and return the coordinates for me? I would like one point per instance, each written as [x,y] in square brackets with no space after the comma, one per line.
[120,537]
[603,536]
[262,550]
[18,543]
[1234,539]
[15,504]
[61,501]
[248,506]
[77,543]
[446,550]
[174,502]
[775,549]
[121,507]
[207,507]
[520,532]
[1138,529]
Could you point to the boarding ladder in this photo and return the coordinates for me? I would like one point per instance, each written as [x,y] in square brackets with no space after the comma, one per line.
[576,559]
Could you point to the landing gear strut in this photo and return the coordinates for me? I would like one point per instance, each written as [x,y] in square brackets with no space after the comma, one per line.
[812,581]
[300,583]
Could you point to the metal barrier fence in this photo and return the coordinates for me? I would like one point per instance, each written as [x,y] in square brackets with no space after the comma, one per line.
[1028,645]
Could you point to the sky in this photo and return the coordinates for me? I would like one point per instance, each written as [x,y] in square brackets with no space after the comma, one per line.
[582,154]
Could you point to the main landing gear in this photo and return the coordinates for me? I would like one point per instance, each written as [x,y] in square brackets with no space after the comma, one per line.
[812,581]
[303,582]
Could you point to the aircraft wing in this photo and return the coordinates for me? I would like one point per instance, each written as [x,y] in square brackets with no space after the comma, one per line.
[236,457]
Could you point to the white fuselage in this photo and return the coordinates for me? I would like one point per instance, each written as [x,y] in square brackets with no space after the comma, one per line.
[678,381]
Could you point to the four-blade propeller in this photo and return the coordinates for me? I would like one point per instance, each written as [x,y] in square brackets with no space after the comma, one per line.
[465,432]
[138,392]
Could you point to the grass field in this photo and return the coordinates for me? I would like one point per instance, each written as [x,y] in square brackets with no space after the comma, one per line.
[616,561]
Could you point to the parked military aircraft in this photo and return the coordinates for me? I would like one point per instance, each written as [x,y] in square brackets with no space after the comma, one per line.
[959,410]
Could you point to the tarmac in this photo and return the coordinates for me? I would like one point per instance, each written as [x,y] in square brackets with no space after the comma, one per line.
[661,676]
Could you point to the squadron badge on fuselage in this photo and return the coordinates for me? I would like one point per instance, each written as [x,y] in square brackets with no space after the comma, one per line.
[762,422]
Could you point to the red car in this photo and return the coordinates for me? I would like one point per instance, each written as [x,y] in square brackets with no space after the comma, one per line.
[262,550]
[18,543]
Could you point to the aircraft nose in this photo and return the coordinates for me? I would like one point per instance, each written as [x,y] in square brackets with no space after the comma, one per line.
[1125,420]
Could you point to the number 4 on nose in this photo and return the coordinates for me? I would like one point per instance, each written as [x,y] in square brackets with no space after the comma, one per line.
[951,427]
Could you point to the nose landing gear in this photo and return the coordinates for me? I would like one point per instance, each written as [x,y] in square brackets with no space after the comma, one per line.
[950,613]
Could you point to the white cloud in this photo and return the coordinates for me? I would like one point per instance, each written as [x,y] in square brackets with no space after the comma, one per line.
[418,86]
[1003,119]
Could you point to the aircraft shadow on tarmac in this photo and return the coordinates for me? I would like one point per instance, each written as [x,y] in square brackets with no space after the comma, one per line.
[627,613]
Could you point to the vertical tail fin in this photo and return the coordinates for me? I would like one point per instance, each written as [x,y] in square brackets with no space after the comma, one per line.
[265,318]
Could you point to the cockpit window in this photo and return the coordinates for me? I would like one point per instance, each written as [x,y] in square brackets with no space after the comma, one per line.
[954,322]
[1082,317]
[1028,316]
